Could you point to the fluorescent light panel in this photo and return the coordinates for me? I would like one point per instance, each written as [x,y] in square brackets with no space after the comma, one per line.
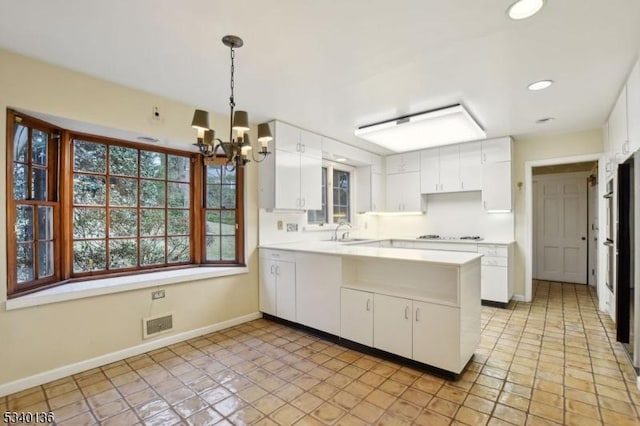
[443,126]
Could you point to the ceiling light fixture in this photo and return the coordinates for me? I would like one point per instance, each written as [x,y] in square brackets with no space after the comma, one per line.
[523,9]
[545,120]
[234,153]
[540,85]
[341,160]
[442,126]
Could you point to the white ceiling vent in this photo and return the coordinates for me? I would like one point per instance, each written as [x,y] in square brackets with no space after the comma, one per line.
[443,126]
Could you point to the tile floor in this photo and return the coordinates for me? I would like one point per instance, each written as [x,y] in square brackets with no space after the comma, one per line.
[553,361]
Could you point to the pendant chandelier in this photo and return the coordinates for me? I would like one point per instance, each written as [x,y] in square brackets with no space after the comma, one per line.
[234,153]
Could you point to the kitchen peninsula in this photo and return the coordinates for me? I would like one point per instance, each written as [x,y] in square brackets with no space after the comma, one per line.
[421,305]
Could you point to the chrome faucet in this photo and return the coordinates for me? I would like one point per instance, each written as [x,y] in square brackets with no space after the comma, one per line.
[335,233]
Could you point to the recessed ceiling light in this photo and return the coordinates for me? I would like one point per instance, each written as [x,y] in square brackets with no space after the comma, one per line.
[539,85]
[341,160]
[523,9]
[545,120]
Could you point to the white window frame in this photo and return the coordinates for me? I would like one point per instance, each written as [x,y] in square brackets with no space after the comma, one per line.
[331,166]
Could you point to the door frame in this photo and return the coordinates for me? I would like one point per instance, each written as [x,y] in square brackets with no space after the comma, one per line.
[528,245]
[534,242]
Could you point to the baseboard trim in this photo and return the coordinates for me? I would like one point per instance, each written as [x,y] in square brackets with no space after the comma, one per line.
[518,298]
[78,367]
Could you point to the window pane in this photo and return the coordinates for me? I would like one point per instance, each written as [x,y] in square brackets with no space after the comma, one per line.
[89,190]
[45,259]
[39,184]
[24,223]
[229,176]
[123,161]
[153,164]
[228,196]
[45,223]
[20,143]
[152,193]
[228,248]
[213,223]
[341,196]
[178,222]
[39,141]
[151,251]
[213,248]
[228,223]
[89,223]
[320,216]
[89,157]
[19,182]
[178,249]
[123,253]
[89,256]
[151,222]
[123,192]
[123,223]
[24,264]
[179,168]
[214,174]
[213,196]
[179,195]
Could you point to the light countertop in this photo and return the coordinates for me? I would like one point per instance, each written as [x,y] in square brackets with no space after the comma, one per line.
[405,254]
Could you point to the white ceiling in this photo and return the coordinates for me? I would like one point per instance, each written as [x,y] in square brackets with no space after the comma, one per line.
[330,65]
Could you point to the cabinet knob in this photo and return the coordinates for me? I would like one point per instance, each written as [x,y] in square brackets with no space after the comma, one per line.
[417,314]
[406,312]
[368,304]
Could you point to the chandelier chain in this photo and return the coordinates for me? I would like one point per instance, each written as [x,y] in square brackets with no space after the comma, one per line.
[232,102]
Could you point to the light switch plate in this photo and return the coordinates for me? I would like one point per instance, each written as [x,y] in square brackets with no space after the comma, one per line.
[279,225]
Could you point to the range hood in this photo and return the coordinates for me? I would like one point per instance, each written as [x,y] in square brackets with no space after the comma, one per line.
[442,126]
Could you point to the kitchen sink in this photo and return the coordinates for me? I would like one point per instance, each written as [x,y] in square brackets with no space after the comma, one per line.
[353,240]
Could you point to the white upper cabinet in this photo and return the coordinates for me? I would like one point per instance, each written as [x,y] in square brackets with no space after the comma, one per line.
[430,171]
[496,150]
[633,109]
[496,186]
[618,125]
[370,191]
[471,166]
[450,168]
[291,178]
[403,192]
[402,163]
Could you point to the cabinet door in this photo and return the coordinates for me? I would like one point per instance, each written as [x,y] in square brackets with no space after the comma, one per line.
[286,290]
[364,190]
[287,137]
[310,144]
[471,166]
[430,171]
[495,283]
[496,186]
[618,124]
[378,188]
[495,150]
[392,325]
[310,182]
[450,168]
[287,180]
[394,192]
[318,291]
[436,333]
[395,163]
[633,108]
[356,316]
[267,286]
[411,197]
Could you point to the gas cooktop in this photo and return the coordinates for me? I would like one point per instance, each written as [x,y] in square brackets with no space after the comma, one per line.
[439,237]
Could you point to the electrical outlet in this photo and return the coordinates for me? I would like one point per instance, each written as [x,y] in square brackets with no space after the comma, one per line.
[158,294]
[155,114]
[292,227]
[279,225]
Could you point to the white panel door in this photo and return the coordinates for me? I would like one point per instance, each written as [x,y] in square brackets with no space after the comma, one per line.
[430,171]
[561,214]
[450,168]
[287,179]
[411,198]
[392,325]
[436,334]
[356,316]
[286,290]
[267,286]
[471,166]
[310,179]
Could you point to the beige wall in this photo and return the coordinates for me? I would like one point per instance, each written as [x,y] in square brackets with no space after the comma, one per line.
[542,148]
[41,338]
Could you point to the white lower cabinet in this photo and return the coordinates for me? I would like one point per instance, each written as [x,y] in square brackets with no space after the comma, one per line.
[356,316]
[318,281]
[436,329]
[392,328]
[278,284]
[496,272]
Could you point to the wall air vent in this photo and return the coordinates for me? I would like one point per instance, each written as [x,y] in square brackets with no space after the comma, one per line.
[152,326]
[442,126]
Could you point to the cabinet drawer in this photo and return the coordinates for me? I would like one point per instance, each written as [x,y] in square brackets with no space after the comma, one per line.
[287,256]
[492,250]
[494,261]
